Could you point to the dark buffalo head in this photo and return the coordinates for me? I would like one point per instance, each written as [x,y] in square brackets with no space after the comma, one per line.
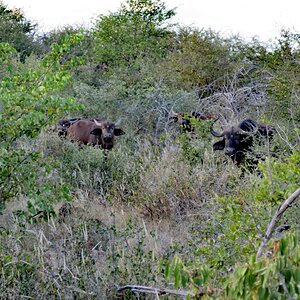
[106,131]
[63,125]
[238,140]
[185,119]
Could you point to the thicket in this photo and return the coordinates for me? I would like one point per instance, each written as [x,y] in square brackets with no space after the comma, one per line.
[162,210]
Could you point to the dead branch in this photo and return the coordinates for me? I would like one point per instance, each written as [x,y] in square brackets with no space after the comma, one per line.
[283,135]
[282,208]
[152,290]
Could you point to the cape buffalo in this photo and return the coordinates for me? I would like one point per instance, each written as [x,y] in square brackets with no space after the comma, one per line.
[185,119]
[238,140]
[96,132]
[63,125]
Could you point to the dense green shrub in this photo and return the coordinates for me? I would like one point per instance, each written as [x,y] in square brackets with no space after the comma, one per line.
[30,100]
[277,277]
[137,30]
[201,60]
[278,68]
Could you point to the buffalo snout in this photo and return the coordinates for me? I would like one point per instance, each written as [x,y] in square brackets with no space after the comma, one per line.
[108,138]
[230,151]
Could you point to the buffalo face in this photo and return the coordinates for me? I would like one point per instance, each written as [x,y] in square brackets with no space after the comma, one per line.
[238,140]
[105,131]
[235,143]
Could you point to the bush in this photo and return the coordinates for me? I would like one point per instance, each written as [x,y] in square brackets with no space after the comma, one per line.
[30,100]
[276,277]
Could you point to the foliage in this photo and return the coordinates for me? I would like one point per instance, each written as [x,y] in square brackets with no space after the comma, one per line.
[276,277]
[279,69]
[185,278]
[233,235]
[132,263]
[245,213]
[77,252]
[195,144]
[58,36]
[161,196]
[281,177]
[16,30]
[200,59]
[135,31]
[30,100]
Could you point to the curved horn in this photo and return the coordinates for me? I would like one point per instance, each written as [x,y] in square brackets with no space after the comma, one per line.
[249,127]
[97,123]
[215,133]
[173,113]
[247,132]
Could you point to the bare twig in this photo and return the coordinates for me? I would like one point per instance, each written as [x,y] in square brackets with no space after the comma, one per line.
[282,208]
[286,291]
[293,116]
[283,135]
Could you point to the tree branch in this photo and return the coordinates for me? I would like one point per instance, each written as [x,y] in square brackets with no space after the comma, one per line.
[282,208]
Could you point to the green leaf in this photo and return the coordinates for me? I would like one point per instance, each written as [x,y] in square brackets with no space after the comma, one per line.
[177,276]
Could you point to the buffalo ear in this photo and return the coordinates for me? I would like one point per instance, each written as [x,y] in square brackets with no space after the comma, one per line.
[118,131]
[96,131]
[220,145]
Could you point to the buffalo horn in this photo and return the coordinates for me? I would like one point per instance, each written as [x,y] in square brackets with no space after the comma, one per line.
[97,123]
[215,133]
[173,113]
